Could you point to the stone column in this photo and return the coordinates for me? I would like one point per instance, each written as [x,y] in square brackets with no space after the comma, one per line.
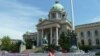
[51,35]
[42,37]
[56,15]
[37,38]
[78,38]
[56,35]
[93,38]
[85,38]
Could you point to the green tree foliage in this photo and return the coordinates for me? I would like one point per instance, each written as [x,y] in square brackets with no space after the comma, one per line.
[6,42]
[10,46]
[64,40]
[53,46]
[29,43]
[15,47]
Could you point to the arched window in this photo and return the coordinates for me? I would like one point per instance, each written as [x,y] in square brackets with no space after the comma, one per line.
[89,40]
[82,42]
[82,34]
[88,33]
[97,41]
[96,33]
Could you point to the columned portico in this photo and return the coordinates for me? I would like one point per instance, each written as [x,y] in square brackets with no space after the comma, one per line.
[52,38]
[56,23]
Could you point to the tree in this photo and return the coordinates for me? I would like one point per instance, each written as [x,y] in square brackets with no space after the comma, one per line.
[15,47]
[18,45]
[6,42]
[64,40]
[29,43]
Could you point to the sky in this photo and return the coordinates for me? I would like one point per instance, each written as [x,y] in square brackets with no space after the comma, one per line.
[19,16]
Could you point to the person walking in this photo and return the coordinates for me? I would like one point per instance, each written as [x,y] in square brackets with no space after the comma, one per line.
[51,52]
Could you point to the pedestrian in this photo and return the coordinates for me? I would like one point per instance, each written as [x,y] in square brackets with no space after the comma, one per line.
[51,52]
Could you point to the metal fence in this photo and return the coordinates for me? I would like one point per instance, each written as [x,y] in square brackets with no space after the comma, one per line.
[46,54]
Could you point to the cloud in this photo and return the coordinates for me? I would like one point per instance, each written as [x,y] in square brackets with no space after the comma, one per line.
[11,33]
[96,19]
[17,18]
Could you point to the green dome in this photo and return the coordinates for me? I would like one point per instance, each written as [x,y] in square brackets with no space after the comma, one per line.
[57,7]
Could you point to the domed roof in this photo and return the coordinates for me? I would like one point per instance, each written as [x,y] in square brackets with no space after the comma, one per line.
[57,6]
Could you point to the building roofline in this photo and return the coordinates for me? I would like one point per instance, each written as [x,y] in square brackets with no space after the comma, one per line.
[88,24]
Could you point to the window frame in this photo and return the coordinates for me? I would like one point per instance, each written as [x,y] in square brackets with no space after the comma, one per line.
[97,41]
[96,32]
[88,33]
[82,34]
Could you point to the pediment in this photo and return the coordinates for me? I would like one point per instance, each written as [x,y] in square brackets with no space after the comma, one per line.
[45,23]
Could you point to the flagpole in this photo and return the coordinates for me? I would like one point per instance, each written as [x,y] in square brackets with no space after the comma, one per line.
[72,12]
[73,24]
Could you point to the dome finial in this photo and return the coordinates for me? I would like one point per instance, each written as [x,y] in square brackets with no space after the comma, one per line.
[57,1]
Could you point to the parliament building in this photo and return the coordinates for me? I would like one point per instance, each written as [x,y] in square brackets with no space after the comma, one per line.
[49,30]
[52,27]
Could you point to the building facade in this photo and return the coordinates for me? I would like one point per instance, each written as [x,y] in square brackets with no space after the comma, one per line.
[88,34]
[51,28]
[30,36]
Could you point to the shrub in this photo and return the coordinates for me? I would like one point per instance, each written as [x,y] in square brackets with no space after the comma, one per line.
[85,48]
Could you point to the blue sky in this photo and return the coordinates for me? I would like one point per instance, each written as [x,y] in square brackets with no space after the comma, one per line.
[19,16]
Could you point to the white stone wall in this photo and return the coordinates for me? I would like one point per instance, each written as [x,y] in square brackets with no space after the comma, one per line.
[90,28]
